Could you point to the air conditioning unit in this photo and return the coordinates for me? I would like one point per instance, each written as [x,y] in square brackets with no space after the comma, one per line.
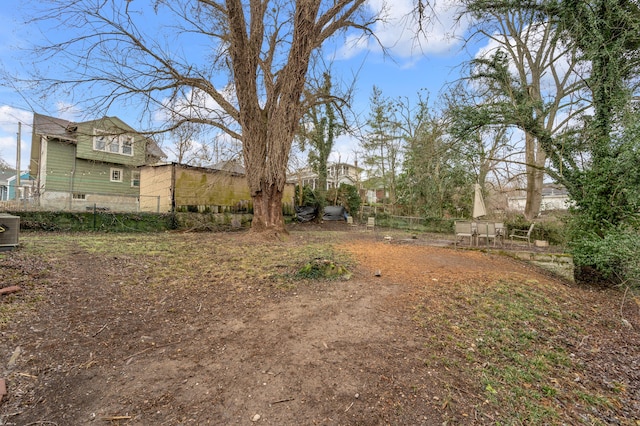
[9,230]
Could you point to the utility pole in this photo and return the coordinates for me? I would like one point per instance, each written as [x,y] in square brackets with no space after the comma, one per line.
[18,161]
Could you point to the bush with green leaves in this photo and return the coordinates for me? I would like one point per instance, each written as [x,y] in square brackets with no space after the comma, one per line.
[309,197]
[349,197]
[615,256]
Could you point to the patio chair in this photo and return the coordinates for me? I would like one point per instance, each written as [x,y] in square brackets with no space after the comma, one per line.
[486,230]
[501,232]
[464,229]
[371,223]
[521,234]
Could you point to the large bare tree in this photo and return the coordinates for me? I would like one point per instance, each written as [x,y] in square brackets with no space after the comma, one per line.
[531,79]
[238,66]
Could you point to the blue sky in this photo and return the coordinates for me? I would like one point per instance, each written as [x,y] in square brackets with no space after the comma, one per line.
[427,63]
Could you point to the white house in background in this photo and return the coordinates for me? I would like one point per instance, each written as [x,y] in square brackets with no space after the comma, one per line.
[337,173]
[553,198]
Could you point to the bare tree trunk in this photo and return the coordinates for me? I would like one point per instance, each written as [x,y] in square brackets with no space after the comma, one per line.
[266,177]
[267,212]
[535,159]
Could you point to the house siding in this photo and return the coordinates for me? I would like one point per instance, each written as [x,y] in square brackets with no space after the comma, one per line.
[24,192]
[59,166]
[95,177]
[110,125]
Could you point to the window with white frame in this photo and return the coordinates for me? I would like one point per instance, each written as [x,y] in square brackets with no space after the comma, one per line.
[127,146]
[135,179]
[116,175]
[115,144]
[100,142]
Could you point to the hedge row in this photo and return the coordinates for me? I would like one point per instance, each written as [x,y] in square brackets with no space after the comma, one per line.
[105,221]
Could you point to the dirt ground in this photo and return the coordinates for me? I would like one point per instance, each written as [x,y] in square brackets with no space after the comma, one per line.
[96,351]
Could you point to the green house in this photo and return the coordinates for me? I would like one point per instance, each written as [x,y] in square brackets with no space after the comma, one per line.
[93,164]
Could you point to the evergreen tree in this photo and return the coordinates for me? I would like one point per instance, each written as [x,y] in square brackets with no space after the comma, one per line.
[382,144]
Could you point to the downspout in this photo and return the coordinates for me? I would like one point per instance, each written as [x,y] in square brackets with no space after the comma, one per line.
[42,178]
[172,189]
[73,175]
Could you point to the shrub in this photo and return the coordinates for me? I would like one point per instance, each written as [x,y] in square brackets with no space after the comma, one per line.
[614,257]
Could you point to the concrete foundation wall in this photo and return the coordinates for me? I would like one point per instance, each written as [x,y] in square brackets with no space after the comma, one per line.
[51,200]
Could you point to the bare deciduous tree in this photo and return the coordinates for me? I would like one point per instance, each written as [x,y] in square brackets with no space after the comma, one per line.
[238,66]
[532,77]
[4,165]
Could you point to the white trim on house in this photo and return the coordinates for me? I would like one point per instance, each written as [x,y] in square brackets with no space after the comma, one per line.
[337,173]
[116,174]
[103,141]
[552,199]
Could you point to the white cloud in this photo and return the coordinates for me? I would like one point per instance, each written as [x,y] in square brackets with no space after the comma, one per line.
[9,119]
[10,116]
[344,150]
[399,30]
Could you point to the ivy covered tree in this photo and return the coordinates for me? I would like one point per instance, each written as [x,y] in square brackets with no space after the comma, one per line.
[607,32]
[597,159]
[319,129]
[528,80]
[347,196]
[587,159]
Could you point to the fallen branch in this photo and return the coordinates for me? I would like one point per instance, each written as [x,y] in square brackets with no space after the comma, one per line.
[283,400]
[112,418]
[10,289]
[14,357]
[101,330]
[130,357]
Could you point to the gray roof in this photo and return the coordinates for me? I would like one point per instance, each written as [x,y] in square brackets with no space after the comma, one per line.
[231,166]
[5,175]
[154,150]
[65,129]
[51,126]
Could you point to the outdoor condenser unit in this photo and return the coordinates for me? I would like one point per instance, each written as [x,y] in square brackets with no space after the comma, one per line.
[9,230]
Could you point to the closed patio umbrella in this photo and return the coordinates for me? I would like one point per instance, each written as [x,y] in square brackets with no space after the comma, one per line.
[478,203]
